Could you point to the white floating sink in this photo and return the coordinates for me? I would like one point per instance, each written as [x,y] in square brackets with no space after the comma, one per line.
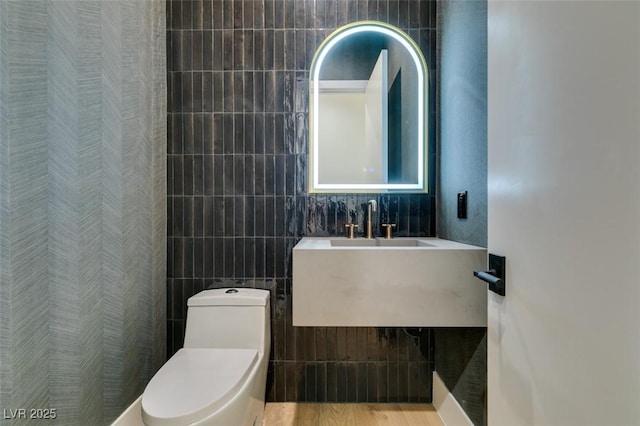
[400,282]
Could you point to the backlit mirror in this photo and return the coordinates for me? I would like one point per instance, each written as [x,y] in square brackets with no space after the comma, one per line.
[367,112]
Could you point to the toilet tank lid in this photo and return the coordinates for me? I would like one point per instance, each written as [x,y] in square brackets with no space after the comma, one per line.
[230,297]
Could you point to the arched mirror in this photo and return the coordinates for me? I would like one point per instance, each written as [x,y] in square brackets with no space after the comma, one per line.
[367,112]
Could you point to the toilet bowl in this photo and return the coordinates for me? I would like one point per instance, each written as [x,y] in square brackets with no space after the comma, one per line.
[219,377]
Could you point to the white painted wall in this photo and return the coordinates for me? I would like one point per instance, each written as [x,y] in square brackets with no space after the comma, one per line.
[564,207]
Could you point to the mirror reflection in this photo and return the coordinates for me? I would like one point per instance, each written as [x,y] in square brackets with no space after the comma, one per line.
[367,112]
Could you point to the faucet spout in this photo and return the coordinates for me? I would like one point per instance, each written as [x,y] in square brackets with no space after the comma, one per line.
[372,206]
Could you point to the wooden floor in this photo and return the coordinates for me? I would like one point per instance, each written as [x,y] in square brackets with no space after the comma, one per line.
[315,414]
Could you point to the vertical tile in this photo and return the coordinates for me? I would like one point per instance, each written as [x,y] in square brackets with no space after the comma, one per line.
[269,258]
[208,257]
[186,40]
[249,257]
[217,50]
[228,50]
[341,343]
[258,50]
[352,382]
[291,379]
[342,382]
[279,178]
[198,259]
[188,258]
[352,344]
[198,217]
[320,14]
[238,50]
[239,216]
[321,382]
[178,335]
[372,10]
[188,133]
[382,382]
[188,217]
[362,382]
[361,343]
[261,257]
[279,14]
[238,258]
[248,96]
[197,50]
[207,92]
[269,92]
[298,14]
[342,13]
[218,264]
[228,134]
[279,93]
[249,175]
[280,381]
[218,92]
[280,257]
[238,133]
[310,382]
[187,92]
[258,102]
[227,14]
[269,175]
[268,54]
[198,136]
[176,15]
[229,257]
[258,14]
[217,10]
[207,14]
[229,217]
[218,174]
[218,221]
[310,44]
[403,13]
[248,50]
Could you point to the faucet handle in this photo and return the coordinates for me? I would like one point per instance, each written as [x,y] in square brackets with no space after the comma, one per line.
[350,228]
[388,227]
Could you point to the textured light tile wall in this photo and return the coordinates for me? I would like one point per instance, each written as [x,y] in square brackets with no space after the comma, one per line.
[82,208]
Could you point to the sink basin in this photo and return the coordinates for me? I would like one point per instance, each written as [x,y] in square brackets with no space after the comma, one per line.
[400,282]
[378,242]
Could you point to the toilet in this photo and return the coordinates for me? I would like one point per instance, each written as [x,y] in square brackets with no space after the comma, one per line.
[219,376]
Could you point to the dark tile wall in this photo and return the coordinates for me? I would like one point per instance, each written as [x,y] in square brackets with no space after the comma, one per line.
[237,202]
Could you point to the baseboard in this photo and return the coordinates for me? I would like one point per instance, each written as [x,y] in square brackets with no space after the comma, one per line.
[448,408]
[132,416]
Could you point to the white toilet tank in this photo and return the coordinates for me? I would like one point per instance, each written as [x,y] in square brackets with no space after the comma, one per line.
[229,318]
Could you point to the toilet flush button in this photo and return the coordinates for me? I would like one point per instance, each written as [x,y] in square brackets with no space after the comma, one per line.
[231,291]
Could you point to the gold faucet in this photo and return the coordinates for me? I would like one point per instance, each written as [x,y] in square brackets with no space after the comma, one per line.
[372,206]
[350,227]
[388,227]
